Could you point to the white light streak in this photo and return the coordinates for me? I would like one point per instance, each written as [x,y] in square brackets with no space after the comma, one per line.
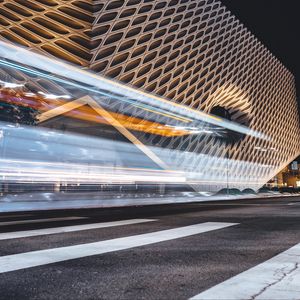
[10,84]
[51,96]
[19,55]
[58,157]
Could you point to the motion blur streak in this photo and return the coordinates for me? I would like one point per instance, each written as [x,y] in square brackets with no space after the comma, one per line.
[54,156]
[59,68]
[75,109]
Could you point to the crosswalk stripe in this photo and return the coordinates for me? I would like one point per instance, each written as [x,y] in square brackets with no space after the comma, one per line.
[40,221]
[48,256]
[276,278]
[64,229]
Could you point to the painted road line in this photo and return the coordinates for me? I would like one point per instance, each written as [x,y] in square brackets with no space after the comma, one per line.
[48,256]
[276,278]
[40,221]
[64,229]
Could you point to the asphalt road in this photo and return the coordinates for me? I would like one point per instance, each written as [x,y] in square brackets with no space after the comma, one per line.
[160,266]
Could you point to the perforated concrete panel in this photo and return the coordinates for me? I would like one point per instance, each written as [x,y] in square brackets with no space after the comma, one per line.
[192,52]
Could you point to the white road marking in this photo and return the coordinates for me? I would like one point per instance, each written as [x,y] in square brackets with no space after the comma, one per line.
[276,278]
[43,257]
[40,221]
[64,229]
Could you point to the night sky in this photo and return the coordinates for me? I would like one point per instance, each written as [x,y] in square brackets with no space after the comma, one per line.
[276,23]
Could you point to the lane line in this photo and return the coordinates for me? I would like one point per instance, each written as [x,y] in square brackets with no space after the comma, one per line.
[43,257]
[40,221]
[276,278]
[64,229]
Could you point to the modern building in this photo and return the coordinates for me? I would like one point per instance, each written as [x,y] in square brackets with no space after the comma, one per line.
[185,83]
[288,177]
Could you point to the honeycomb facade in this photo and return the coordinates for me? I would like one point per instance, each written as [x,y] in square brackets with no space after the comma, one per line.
[193,52]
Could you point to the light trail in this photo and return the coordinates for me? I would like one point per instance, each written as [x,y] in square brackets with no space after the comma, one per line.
[87,113]
[59,68]
[71,158]
[95,91]
[37,155]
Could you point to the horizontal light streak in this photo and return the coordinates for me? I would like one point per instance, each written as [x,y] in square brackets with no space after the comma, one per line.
[93,178]
[239,182]
[128,176]
[44,63]
[78,165]
[80,111]
[52,172]
[30,178]
[71,158]
[87,113]
[164,112]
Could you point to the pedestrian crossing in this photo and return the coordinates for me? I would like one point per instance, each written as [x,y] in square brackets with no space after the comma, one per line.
[276,278]
[38,258]
[65,229]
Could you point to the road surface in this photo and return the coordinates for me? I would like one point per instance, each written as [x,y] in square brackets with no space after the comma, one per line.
[221,250]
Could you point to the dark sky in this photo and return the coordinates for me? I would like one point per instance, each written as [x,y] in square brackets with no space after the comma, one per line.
[276,23]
